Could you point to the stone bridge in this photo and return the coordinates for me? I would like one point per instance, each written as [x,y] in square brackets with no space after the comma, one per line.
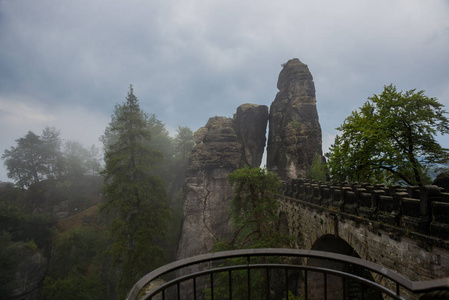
[403,229]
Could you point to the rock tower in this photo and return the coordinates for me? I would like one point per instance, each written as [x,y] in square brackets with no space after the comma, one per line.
[222,146]
[294,129]
[226,144]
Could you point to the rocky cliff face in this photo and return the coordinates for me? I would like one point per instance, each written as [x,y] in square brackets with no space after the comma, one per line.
[30,273]
[251,121]
[294,129]
[225,144]
[222,146]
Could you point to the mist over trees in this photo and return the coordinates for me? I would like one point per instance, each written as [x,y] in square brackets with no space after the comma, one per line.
[135,197]
[36,158]
[59,185]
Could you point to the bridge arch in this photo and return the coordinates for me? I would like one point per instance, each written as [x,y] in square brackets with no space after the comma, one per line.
[333,243]
[341,289]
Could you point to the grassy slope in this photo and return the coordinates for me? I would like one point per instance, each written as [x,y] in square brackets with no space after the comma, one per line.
[76,221]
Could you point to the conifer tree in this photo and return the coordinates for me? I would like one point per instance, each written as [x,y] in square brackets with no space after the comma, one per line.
[134,196]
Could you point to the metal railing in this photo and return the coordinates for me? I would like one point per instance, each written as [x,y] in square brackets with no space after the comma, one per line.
[217,269]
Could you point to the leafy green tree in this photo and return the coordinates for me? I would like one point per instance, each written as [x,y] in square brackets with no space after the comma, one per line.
[76,266]
[8,261]
[25,226]
[254,208]
[75,158]
[79,160]
[254,212]
[93,161]
[10,194]
[134,196]
[184,143]
[391,138]
[34,158]
[317,170]
[51,151]
[25,161]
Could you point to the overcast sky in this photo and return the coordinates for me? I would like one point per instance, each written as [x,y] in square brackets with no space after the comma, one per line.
[66,63]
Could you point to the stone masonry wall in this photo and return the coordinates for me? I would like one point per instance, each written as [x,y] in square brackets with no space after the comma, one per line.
[377,222]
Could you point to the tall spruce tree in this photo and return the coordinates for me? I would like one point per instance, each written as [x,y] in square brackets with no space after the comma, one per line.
[134,196]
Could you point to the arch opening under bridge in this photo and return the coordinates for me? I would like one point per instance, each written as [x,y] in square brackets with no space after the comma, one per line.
[341,289]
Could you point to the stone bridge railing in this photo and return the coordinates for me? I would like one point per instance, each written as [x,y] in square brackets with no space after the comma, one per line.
[423,210]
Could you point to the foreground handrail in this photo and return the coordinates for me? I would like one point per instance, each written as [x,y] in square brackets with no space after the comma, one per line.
[413,286]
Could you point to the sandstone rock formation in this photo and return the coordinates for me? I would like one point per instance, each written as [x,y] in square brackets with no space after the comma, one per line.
[222,146]
[294,129]
[30,273]
[251,121]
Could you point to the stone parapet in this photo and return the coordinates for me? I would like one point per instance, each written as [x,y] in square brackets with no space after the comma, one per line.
[424,210]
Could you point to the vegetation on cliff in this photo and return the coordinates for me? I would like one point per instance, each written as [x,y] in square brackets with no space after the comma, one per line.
[254,208]
[254,214]
[318,170]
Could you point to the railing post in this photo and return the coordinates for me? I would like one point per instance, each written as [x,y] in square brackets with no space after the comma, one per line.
[325,286]
[212,286]
[306,289]
[249,278]
[268,283]
[230,285]
[194,288]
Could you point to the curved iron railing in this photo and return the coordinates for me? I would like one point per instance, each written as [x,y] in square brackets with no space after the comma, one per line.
[382,274]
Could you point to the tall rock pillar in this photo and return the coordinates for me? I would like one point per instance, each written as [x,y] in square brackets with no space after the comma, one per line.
[294,129]
[222,146]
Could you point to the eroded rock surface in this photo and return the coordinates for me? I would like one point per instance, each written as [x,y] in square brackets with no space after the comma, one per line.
[251,121]
[222,146]
[30,273]
[294,129]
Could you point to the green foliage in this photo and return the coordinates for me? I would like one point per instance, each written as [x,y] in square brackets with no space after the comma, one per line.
[21,233]
[292,296]
[51,151]
[36,158]
[9,194]
[24,226]
[390,139]
[317,170]
[74,287]
[25,163]
[254,208]
[7,265]
[76,267]
[184,143]
[134,196]
[254,212]
[79,160]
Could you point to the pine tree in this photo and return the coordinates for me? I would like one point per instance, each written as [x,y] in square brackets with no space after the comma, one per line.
[134,196]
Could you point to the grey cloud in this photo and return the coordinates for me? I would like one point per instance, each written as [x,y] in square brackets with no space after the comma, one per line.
[190,60]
